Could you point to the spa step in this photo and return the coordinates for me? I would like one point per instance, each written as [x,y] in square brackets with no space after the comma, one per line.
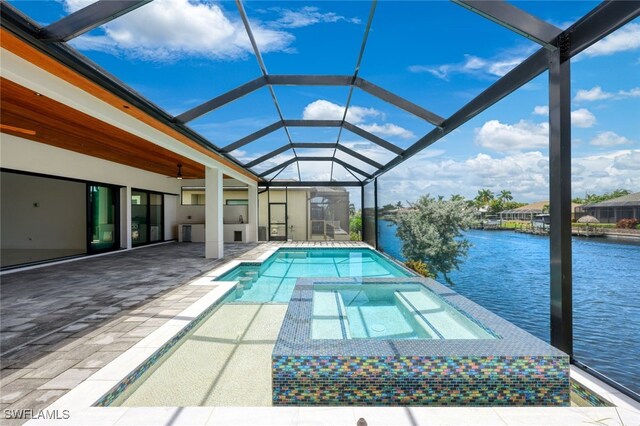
[329,316]
[439,317]
[411,313]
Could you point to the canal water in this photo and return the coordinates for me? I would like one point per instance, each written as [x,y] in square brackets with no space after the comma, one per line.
[508,273]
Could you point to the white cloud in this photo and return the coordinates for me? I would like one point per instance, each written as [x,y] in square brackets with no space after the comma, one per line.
[526,174]
[325,110]
[388,129]
[307,16]
[165,30]
[579,118]
[541,110]
[513,137]
[594,94]
[597,94]
[476,66]
[633,93]
[625,39]
[582,118]
[628,161]
[609,139]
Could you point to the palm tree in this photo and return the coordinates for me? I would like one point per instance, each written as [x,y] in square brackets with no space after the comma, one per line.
[399,204]
[457,197]
[505,195]
[484,197]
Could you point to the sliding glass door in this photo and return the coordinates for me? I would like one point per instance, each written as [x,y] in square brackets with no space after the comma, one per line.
[147,217]
[102,214]
[156,210]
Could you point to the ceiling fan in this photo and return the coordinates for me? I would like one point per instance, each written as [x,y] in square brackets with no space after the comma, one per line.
[180,176]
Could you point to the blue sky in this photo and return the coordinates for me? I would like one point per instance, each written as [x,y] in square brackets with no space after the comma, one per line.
[180,53]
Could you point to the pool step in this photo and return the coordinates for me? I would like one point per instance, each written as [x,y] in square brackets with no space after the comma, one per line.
[329,316]
[437,316]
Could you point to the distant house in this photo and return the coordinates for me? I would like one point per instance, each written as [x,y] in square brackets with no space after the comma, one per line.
[530,211]
[611,211]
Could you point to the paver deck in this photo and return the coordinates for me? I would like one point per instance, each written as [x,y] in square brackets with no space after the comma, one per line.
[41,307]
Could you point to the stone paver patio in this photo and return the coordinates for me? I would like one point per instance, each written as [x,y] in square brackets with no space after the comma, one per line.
[44,306]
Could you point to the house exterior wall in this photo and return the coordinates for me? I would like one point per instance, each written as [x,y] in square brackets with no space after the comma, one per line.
[613,214]
[43,213]
[27,156]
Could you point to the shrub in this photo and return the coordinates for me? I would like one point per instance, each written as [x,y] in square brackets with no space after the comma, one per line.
[354,236]
[627,223]
[431,232]
[419,266]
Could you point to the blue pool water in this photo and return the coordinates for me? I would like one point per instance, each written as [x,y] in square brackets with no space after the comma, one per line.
[388,311]
[273,281]
[508,273]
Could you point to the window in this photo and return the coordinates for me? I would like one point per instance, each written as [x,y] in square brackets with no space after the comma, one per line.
[192,195]
[237,202]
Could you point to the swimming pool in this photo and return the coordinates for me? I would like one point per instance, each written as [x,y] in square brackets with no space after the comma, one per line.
[273,281]
[223,357]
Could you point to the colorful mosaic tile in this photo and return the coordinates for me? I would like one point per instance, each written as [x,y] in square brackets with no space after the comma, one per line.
[588,395]
[420,381]
[514,369]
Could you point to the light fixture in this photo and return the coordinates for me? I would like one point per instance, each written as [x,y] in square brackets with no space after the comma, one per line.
[37,94]
[179,175]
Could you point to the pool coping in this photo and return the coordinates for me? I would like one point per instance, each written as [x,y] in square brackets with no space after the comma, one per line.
[79,400]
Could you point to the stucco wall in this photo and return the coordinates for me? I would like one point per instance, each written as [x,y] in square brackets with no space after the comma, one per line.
[42,213]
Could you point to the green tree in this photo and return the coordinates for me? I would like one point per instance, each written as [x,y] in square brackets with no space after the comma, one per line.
[431,233]
[593,198]
[399,205]
[388,207]
[496,206]
[355,226]
[505,195]
[483,198]
[457,197]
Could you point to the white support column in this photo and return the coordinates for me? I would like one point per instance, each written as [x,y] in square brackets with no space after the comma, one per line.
[252,231]
[125,217]
[214,232]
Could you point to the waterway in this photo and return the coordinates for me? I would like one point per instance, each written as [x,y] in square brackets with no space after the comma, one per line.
[508,273]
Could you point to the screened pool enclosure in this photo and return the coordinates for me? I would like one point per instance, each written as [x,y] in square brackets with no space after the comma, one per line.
[296,161]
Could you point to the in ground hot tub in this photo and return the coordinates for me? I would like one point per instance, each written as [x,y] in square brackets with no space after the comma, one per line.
[407,341]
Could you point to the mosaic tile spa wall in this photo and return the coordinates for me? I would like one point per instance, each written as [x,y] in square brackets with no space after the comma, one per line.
[441,381]
[514,369]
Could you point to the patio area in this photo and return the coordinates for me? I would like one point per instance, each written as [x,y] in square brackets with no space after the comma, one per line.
[61,369]
[44,307]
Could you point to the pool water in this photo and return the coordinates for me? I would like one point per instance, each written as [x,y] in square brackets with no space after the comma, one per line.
[274,280]
[388,311]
